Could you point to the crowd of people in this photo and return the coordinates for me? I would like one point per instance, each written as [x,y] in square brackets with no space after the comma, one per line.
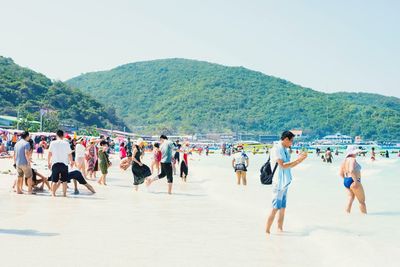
[79,159]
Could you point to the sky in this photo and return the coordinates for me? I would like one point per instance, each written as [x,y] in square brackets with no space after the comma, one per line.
[329,46]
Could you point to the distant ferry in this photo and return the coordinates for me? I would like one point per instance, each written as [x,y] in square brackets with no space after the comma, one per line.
[342,141]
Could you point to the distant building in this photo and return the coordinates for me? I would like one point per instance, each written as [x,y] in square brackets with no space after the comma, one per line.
[11,121]
[268,139]
[246,136]
[7,121]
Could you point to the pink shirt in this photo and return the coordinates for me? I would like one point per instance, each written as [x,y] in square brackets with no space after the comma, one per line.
[122,152]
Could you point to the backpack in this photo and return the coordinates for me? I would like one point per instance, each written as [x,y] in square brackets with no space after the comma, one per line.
[266,173]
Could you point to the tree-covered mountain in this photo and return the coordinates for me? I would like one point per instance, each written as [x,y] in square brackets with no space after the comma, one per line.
[26,91]
[187,96]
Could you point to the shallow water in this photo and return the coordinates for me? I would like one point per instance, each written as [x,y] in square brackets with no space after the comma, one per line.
[208,221]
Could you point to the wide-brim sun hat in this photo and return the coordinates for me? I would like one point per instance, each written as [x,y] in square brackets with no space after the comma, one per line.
[139,141]
[352,150]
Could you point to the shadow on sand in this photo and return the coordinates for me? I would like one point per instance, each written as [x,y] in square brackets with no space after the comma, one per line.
[179,194]
[385,213]
[310,230]
[25,232]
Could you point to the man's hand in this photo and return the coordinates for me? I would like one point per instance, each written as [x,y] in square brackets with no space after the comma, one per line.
[303,156]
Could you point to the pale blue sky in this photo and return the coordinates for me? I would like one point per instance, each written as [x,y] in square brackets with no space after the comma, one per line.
[326,45]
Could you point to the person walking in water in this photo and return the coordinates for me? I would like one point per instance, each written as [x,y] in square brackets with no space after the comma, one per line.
[166,149]
[373,154]
[350,171]
[328,155]
[282,178]
[60,154]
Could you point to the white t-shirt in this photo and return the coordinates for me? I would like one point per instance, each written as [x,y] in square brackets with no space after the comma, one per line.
[60,150]
[240,157]
[80,151]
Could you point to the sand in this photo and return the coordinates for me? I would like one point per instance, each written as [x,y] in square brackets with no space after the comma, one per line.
[207,221]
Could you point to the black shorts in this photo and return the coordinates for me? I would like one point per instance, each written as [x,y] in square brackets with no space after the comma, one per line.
[77,176]
[166,170]
[177,156]
[57,170]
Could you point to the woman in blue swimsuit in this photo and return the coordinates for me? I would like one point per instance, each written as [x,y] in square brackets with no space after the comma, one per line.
[350,171]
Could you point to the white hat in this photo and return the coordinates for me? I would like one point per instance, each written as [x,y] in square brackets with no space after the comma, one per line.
[139,141]
[352,150]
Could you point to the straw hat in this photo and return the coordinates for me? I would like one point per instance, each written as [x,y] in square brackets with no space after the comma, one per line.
[92,140]
[139,141]
[352,150]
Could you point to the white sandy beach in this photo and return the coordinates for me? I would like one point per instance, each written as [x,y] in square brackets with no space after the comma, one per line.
[210,221]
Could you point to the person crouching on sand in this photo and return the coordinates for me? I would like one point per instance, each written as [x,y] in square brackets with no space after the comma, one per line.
[282,178]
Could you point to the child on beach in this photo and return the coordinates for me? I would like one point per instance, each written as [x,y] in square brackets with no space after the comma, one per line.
[155,163]
[104,162]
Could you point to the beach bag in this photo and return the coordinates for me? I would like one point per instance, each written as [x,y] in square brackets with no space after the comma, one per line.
[266,172]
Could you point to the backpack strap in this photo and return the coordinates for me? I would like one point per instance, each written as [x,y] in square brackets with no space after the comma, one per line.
[276,166]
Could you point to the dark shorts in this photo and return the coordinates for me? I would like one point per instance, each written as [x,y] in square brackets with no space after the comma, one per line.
[177,156]
[59,170]
[77,176]
[184,169]
[240,167]
[166,170]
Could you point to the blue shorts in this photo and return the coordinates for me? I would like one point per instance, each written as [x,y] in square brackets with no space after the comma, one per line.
[279,198]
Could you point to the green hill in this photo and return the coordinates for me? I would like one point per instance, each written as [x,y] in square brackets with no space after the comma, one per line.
[187,96]
[27,91]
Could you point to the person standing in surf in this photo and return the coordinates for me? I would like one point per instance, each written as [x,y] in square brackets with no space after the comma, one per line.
[350,171]
[282,178]
[166,149]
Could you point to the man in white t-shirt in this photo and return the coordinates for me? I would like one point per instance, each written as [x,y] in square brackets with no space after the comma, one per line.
[60,154]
